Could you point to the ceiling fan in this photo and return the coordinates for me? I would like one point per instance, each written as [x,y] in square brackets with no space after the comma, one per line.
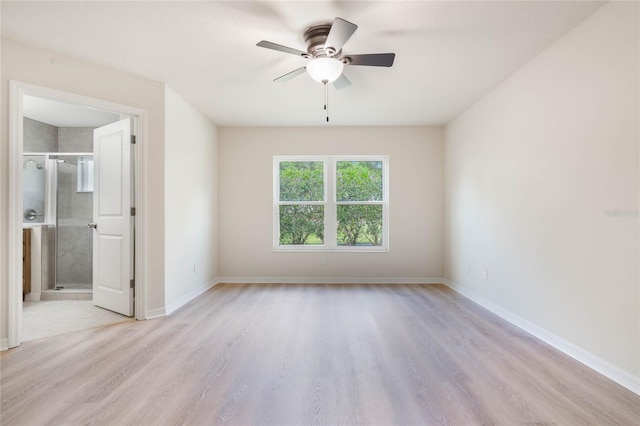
[324,49]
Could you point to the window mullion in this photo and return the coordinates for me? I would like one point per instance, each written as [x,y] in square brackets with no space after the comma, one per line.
[330,209]
[301,203]
[356,203]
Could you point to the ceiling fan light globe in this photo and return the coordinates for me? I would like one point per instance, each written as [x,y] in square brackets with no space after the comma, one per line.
[325,69]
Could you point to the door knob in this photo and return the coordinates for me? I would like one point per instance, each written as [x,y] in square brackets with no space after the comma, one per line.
[92,225]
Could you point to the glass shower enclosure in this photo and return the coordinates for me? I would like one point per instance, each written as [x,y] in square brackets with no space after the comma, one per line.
[58,198]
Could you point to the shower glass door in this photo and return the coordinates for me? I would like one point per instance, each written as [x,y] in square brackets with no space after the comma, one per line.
[33,189]
[74,251]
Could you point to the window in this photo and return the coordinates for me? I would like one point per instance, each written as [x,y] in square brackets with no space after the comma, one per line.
[331,203]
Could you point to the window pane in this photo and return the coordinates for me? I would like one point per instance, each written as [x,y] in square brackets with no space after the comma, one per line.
[359,225]
[359,181]
[301,181]
[301,224]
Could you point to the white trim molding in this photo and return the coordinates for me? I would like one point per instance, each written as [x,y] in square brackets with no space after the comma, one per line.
[4,345]
[17,90]
[14,234]
[180,302]
[155,313]
[330,280]
[330,204]
[592,361]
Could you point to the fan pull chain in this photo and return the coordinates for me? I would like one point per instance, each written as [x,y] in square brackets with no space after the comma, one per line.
[326,98]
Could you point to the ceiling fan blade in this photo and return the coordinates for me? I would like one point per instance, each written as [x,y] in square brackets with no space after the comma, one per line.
[371,59]
[280,48]
[341,82]
[288,76]
[340,32]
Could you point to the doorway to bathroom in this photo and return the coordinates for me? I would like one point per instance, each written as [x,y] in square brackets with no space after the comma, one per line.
[59,194]
[57,201]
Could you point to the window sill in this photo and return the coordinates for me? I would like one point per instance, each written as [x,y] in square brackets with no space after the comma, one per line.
[322,249]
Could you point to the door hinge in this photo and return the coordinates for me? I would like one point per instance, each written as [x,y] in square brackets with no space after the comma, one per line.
[133,139]
[132,283]
[133,211]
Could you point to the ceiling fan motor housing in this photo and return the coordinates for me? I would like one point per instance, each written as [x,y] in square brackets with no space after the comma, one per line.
[315,38]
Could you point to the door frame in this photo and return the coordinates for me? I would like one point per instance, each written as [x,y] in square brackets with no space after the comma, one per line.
[17,90]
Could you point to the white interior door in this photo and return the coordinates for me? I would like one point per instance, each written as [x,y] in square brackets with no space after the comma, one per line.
[112,220]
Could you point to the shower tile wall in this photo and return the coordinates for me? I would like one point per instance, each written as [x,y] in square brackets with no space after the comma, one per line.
[75,139]
[39,137]
[42,137]
[73,205]
[75,263]
[75,210]
[75,239]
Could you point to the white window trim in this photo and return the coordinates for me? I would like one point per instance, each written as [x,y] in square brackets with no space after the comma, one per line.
[330,205]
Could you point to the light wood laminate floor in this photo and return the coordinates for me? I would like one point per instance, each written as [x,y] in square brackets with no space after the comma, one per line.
[308,355]
[49,318]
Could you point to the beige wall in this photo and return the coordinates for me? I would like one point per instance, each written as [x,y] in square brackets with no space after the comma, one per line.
[190,201]
[530,173]
[246,197]
[60,72]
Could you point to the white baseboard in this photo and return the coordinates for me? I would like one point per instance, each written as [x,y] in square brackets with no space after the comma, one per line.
[178,303]
[329,280]
[155,313]
[4,344]
[603,367]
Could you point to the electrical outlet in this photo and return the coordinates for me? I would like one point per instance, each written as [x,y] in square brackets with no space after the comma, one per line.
[485,275]
[323,260]
[194,268]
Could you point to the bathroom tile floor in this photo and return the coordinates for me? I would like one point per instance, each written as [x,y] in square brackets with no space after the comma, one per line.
[54,317]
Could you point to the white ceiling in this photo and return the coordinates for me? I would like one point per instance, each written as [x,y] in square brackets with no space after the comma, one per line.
[448,53]
[60,114]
